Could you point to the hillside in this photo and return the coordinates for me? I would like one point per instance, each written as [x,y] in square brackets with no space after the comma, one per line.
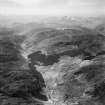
[54,61]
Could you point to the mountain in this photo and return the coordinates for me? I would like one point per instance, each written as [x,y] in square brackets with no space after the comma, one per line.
[52,61]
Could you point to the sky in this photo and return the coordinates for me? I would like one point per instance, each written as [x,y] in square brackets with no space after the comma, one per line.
[52,7]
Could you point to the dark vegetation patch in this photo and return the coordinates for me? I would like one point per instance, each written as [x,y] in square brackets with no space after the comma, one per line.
[91,71]
[90,45]
[37,58]
[94,74]
[15,81]
[8,51]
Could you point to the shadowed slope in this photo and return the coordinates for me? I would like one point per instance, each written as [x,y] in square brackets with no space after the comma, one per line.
[16,82]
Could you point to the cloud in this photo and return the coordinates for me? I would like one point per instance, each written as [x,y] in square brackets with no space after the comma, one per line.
[8,3]
[54,2]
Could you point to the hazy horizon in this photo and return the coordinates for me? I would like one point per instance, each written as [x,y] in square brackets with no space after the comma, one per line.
[53,7]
